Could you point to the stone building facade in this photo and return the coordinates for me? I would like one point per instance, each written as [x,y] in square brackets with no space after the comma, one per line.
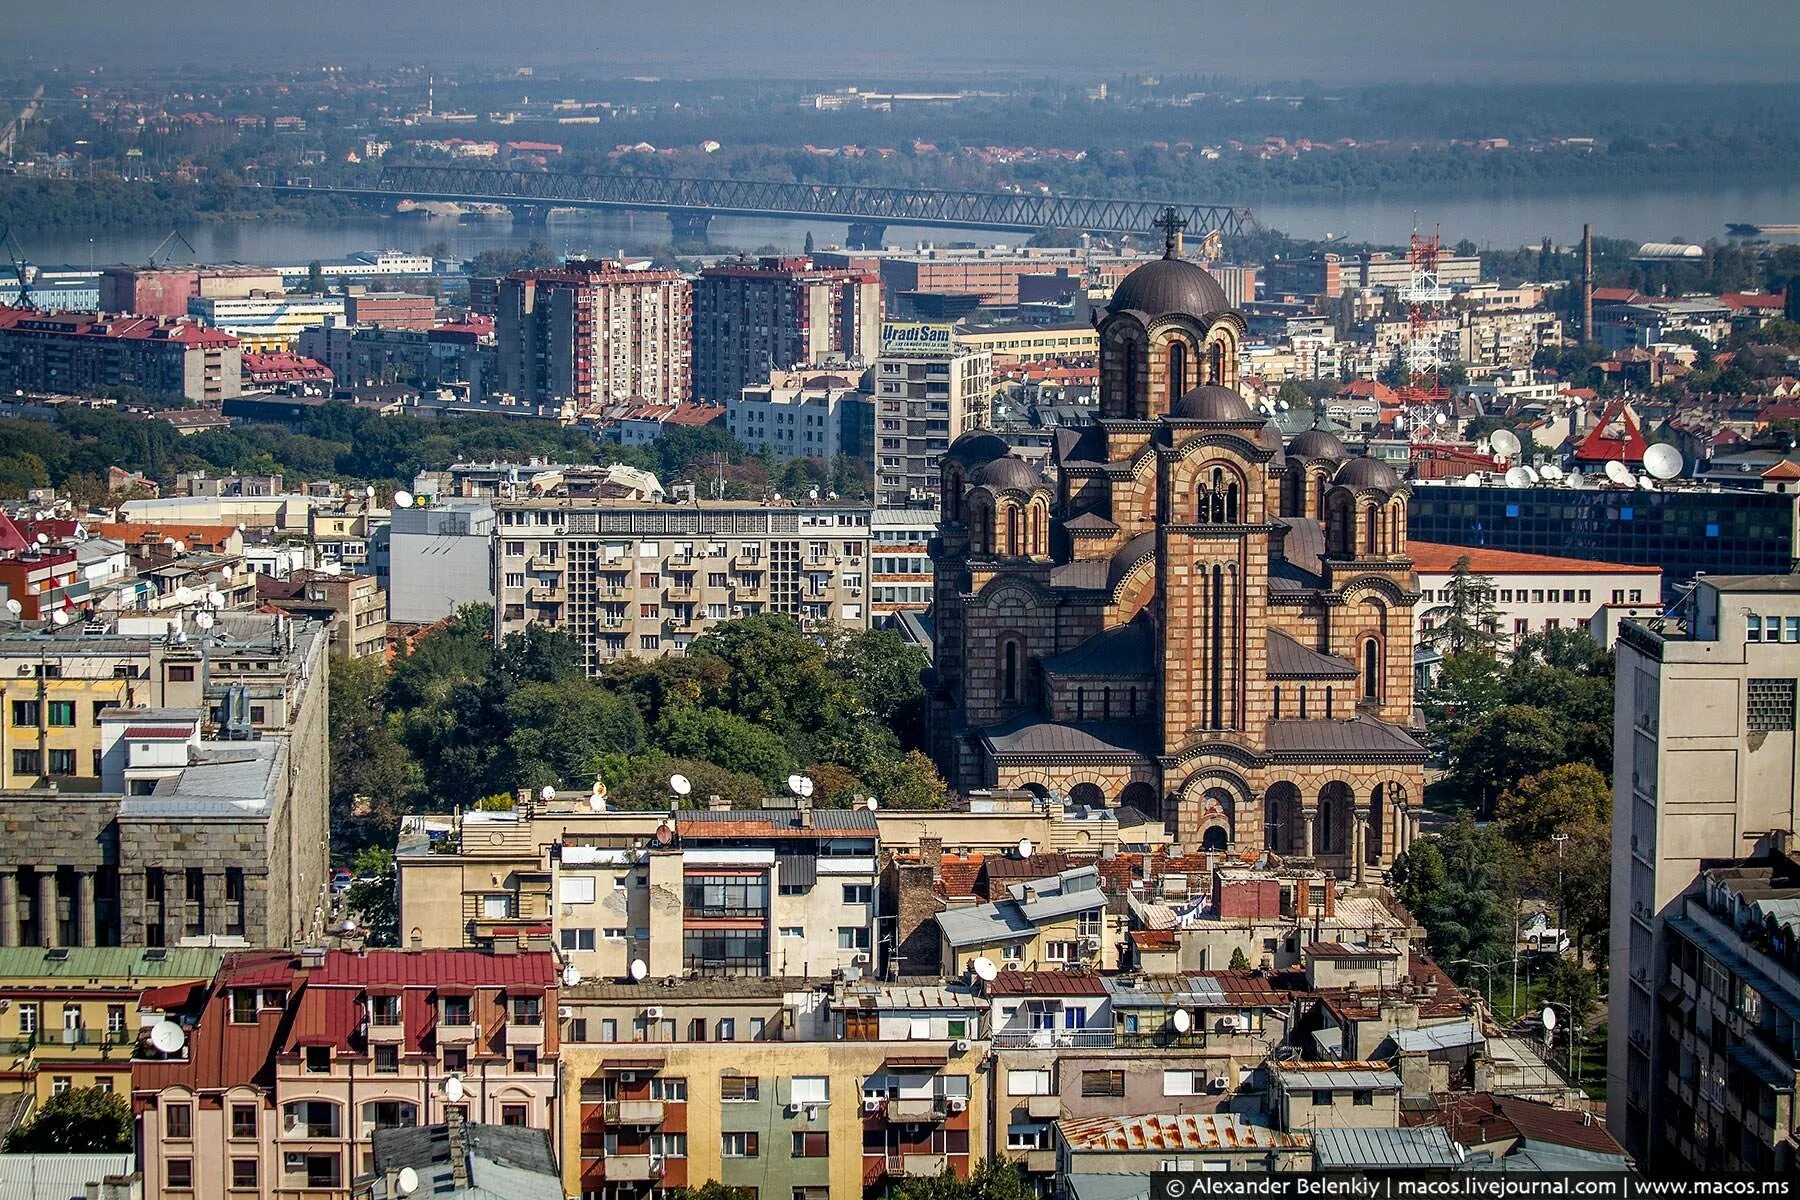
[1194,619]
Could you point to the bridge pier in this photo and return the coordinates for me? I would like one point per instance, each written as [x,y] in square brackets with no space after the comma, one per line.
[866,235]
[689,224]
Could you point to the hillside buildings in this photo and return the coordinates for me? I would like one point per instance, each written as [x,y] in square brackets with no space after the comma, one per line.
[1704,774]
[752,319]
[593,334]
[1196,622]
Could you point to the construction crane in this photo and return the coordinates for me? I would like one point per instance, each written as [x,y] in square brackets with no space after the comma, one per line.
[20,268]
[174,236]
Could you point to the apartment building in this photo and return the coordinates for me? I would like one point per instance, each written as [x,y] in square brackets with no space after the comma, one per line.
[634,579]
[929,390]
[594,334]
[439,559]
[161,789]
[353,607]
[81,353]
[290,1062]
[1703,773]
[1535,593]
[817,414]
[1009,345]
[774,314]
[772,891]
[900,562]
[266,323]
[69,1015]
[796,1087]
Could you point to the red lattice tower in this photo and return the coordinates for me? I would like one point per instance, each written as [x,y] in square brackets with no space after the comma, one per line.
[1427,300]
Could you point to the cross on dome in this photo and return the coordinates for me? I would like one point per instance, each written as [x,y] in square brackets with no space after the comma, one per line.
[1171,223]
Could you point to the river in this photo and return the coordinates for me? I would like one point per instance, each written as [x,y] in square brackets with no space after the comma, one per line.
[1498,220]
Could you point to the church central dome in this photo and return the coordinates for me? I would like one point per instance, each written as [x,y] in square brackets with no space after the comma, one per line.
[1170,285]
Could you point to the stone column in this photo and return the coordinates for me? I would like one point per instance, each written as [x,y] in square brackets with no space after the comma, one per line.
[1359,843]
[48,932]
[1309,819]
[84,908]
[9,906]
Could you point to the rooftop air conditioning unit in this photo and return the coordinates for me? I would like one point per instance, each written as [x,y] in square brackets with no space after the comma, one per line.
[960,1045]
[564,1012]
[871,1105]
[958,1104]
[1219,1083]
[653,1013]
[1012,964]
[627,1076]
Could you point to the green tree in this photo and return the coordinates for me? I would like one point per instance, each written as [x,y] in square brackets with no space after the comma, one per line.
[1467,619]
[373,896]
[1239,960]
[79,1121]
[373,777]
[1552,801]
[558,733]
[1502,747]
[726,740]
[1462,886]
[1293,396]
[712,1189]
[1468,686]
[993,1179]
[315,278]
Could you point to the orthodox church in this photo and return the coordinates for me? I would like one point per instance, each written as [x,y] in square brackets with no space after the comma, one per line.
[1194,620]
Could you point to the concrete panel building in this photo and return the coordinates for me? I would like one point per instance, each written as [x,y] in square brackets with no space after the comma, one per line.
[1704,772]
[439,559]
[75,353]
[776,314]
[929,390]
[595,334]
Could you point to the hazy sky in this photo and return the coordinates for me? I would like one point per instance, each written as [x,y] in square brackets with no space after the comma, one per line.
[1328,40]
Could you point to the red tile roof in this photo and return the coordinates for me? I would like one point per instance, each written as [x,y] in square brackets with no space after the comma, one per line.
[147,733]
[1754,301]
[1785,469]
[1616,435]
[428,968]
[1047,983]
[1434,558]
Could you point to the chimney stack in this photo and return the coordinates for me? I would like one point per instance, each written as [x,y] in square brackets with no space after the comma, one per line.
[1587,283]
[931,853]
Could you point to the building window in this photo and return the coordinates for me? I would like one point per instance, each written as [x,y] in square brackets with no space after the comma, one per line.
[243,1120]
[1371,669]
[61,713]
[62,762]
[60,1084]
[243,1006]
[115,1019]
[811,1089]
[1362,1098]
[513,1114]
[318,1060]
[243,1173]
[727,1031]
[25,712]
[178,1121]
[525,1060]
[1102,1084]
[739,1089]
[387,1060]
[28,1019]
[853,937]
[810,1144]
[179,1174]
[858,893]
[1028,1082]
[528,1010]
[577,939]
[25,762]
[181,674]
[738,1145]
[456,1058]
[1323,1098]
[1009,680]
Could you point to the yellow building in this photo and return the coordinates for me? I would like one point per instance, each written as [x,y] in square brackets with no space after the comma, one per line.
[795,1087]
[69,1016]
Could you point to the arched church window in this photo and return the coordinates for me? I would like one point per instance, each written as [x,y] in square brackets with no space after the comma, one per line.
[1177,371]
[1215,372]
[1133,407]
[1371,669]
[1009,672]
[1012,530]
[1231,503]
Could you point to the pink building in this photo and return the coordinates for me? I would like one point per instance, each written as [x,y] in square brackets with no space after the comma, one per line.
[290,1062]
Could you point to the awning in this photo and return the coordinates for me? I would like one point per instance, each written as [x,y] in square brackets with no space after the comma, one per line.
[631,1064]
[914,1060]
[797,870]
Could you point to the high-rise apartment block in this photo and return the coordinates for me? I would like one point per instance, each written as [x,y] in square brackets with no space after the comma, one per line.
[751,319]
[634,579]
[1703,775]
[595,333]
[929,389]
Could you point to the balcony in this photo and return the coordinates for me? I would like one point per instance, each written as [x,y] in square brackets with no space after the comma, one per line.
[746,562]
[522,1034]
[749,591]
[1044,1108]
[1040,1162]
[917,1166]
[539,562]
[916,1109]
[634,1112]
[632,1168]
[386,1027]
[540,594]
[1047,1039]
[682,592]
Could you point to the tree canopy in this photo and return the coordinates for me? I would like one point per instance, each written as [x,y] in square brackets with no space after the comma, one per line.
[78,1121]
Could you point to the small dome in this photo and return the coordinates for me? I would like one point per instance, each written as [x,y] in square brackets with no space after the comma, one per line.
[1009,472]
[1316,443]
[1365,472]
[977,447]
[1170,285]
[1210,402]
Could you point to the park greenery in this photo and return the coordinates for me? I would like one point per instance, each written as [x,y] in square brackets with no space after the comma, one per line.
[462,721]
[85,1120]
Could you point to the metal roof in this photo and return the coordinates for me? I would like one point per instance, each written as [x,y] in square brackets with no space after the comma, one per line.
[984,925]
[1185,1131]
[1451,1036]
[57,1176]
[122,963]
[1423,1146]
[1324,1076]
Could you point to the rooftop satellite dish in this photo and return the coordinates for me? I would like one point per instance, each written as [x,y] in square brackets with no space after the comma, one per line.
[1282,405]
[184,594]
[1024,847]
[1182,1019]
[679,785]
[406,1182]
[1400,421]
[1662,461]
[800,785]
[43,539]
[1531,474]
[1646,483]
[571,975]
[403,499]
[1549,1017]
[1440,419]
[874,804]
[1618,472]
[453,1088]
[1471,480]
[167,1037]
[203,619]
[639,970]
[597,801]
[180,546]
[1517,478]
[241,527]
[794,784]
[1551,471]
[1504,441]
[14,607]
[547,792]
[60,617]
[985,970]
[369,491]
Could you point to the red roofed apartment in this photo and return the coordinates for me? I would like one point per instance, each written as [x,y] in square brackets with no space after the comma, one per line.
[268,370]
[1536,592]
[292,1061]
[75,353]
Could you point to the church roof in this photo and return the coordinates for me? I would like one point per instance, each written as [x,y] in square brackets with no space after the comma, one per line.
[1086,574]
[1363,471]
[1089,522]
[1010,472]
[1085,444]
[1362,737]
[1129,556]
[1288,659]
[1210,402]
[978,447]
[1304,545]
[1031,736]
[1317,443]
[1170,285]
[1123,650]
